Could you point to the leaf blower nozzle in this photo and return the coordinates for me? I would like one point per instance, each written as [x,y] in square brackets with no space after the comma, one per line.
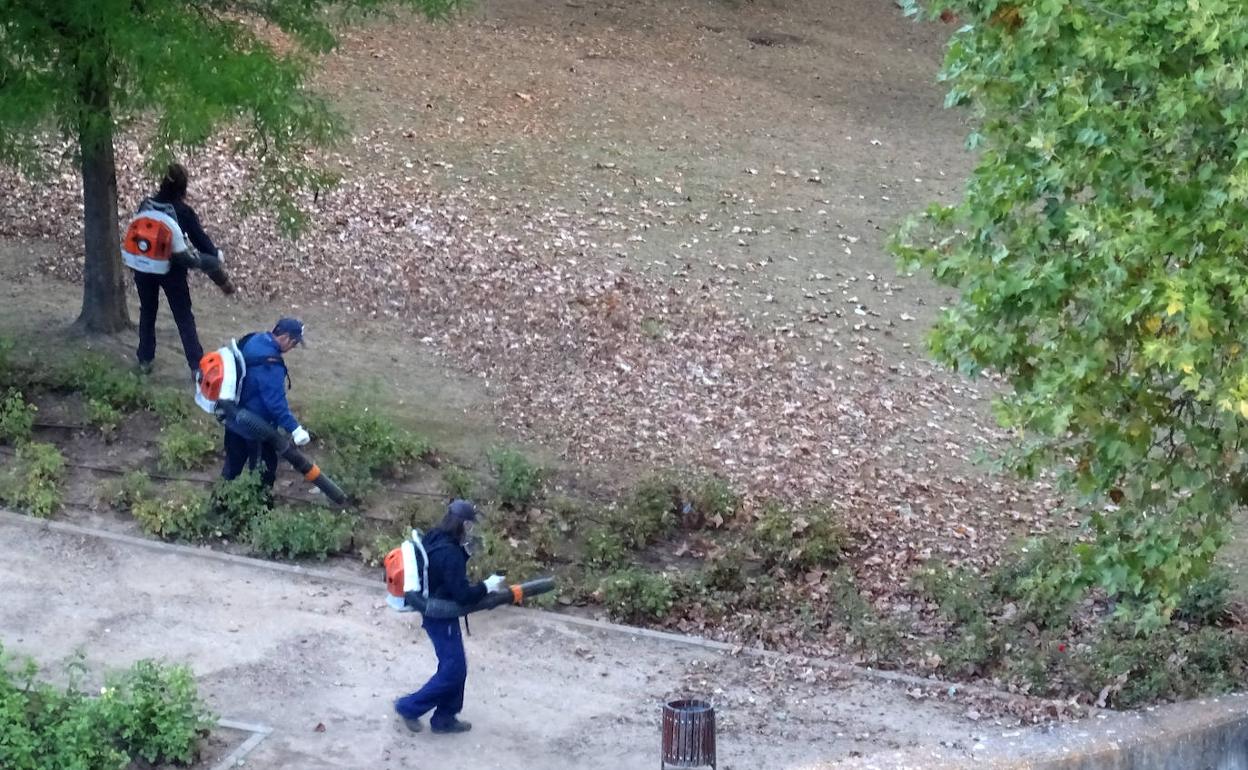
[515,594]
[289,452]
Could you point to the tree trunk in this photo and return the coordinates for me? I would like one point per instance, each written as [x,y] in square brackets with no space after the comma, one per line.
[103,281]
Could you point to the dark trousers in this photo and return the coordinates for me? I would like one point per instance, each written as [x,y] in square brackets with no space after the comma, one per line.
[444,692]
[241,452]
[178,294]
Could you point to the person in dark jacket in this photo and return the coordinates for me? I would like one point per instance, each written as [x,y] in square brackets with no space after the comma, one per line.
[263,394]
[448,555]
[177,290]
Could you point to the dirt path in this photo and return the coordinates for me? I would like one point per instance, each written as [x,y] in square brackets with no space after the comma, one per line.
[293,652]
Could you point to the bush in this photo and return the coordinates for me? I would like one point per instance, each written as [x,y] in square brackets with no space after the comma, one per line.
[1207,601]
[364,445]
[100,380]
[33,484]
[126,492]
[713,500]
[519,480]
[178,512]
[299,533]
[17,417]
[374,550]
[8,372]
[151,713]
[237,502]
[156,713]
[606,550]
[169,405]
[457,483]
[103,416]
[649,512]
[637,596]
[498,553]
[961,596]
[799,540]
[184,447]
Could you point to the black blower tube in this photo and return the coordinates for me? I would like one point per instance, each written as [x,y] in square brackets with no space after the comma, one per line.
[287,449]
[444,610]
[210,265]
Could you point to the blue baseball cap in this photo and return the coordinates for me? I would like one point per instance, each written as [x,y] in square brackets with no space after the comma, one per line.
[292,327]
[463,510]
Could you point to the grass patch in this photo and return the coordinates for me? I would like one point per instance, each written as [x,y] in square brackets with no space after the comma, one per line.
[364,445]
[17,417]
[183,447]
[33,483]
[299,533]
[519,479]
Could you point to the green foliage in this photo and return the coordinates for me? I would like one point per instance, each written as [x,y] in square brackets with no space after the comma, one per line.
[365,445]
[457,483]
[637,596]
[128,491]
[183,446]
[177,512]
[648,513]
[155,712]
[33,483]
[102,382]
[239,501]
[299,533]
[8,371]
[876,639]
[799,540]
[519,479]
[1097,257]
[373,551]
[103,415]
[170,405]
[1207,601]
[149,712]
[17,417]
[713,499]
[606,549]
[499,553]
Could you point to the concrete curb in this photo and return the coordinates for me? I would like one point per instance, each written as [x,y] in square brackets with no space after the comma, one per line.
[258,733]
[544,616]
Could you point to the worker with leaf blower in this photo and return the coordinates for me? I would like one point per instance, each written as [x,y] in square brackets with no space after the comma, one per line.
[440,574]
[263,394]
[163,239]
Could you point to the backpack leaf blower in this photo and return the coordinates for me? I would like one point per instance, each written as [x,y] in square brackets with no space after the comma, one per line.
[154,241]
[219,385]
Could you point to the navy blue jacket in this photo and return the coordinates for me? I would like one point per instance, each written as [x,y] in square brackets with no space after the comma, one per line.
[188,220]
[264,387]
[448,570]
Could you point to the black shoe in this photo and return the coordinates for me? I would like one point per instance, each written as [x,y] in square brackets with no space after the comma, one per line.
[412,724]
[458,726]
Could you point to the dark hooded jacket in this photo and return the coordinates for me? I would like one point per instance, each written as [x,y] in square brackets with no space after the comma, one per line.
[448,570]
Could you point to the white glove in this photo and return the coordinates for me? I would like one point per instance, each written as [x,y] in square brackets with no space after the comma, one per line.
[495,583]
[300,436]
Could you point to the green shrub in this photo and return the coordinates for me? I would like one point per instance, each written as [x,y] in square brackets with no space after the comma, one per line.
[17,418]
[713,499]
[8,372]
[177,512]
[648,513]
[876,639]
[100,380]
[156,713]
[519,479]
[961,596]
[33,484]
[637,596]
[365,445]
[1207,601]
[373,551]
[498,553]
[799,540]
[126,492]
[457,482]
[183,446]
[170,405]
[151,714]
[606,550]
[237,502]
[103,416]
[299,533]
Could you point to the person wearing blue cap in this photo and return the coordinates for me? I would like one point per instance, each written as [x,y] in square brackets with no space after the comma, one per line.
[446,547]
[264,394]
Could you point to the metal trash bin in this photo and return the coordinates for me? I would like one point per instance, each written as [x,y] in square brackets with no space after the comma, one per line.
[688,734]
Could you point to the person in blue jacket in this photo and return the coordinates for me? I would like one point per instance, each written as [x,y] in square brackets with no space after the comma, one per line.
[448,555]
[263,394]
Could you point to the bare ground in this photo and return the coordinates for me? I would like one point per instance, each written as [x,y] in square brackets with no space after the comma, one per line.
[293,652]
